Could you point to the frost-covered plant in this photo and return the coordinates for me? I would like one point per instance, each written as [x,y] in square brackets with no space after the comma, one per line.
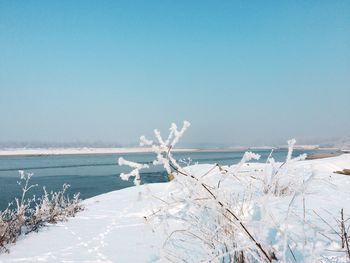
[339,235]
[13,221]
[206,215]
[134,173]
[280,179]
[163,150]
[219,213]
[54,207]
[28,215]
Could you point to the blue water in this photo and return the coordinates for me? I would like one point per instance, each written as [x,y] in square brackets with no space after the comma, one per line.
[96,174]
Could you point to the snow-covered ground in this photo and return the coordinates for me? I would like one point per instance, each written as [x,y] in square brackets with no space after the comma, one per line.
[112,228]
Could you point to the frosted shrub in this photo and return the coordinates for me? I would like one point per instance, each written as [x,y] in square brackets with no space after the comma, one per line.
[238,213]
[13,221]
[10,227]
[28,215]
[282,179]
[208,216]
[54,207]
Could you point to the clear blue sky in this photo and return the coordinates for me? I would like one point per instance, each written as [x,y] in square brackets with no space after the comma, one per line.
[242,72]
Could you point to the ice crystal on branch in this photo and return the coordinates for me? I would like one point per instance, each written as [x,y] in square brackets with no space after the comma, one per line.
[134,173]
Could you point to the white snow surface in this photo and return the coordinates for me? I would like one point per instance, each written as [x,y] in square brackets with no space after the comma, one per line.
[112,228]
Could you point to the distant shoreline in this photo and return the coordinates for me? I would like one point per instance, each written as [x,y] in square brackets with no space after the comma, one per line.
[76,151]
[90,150]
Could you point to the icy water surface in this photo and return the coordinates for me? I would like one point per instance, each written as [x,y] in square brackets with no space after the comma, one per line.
[96,174]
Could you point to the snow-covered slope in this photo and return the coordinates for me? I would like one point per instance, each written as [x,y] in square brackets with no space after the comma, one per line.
[112,228]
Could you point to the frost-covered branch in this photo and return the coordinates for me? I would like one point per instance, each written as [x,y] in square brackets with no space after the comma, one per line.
[161,147]
[31,214]
[134,173]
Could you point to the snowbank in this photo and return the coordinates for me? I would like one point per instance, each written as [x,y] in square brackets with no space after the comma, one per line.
[113,228]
